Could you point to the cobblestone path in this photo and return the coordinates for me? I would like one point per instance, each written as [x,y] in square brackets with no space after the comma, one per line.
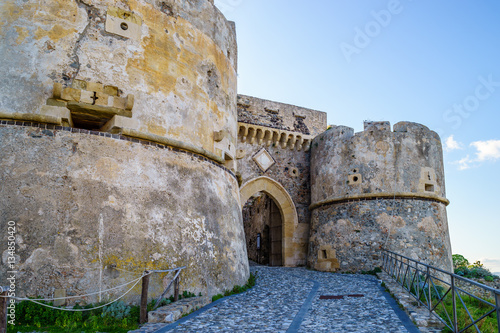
[288,300]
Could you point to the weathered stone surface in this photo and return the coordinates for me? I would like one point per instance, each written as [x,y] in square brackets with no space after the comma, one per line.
[426,322]
[290,169]
[379,189]
[174,311]
[280,115]
[388,162]
[84,202]
[183,60]
[357,230]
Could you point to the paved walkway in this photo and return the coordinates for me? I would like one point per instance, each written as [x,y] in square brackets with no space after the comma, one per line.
[288,300]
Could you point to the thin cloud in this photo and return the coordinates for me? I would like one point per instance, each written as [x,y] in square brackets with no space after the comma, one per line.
[487,150]
[464,163]
[452,144]
[491,263]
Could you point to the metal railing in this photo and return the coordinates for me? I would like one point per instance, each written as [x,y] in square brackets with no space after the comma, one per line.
[442,292]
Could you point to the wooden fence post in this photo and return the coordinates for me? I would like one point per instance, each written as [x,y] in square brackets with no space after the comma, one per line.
[144,299]
[176,289]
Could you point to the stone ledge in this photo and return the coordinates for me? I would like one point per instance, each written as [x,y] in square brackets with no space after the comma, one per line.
[418,314]
[174,311]
[381,195]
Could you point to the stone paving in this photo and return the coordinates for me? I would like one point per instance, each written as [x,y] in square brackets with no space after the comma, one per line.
[287,300]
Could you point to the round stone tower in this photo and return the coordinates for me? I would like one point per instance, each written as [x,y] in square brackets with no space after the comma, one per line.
[118,128]
[377,189]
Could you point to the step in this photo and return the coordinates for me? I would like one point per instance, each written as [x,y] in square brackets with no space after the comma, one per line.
[174,311]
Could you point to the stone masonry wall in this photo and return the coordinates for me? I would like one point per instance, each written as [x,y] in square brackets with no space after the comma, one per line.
[290,166]
[356,231]
[177,59]
[90,209]
[281,116]
[377,188]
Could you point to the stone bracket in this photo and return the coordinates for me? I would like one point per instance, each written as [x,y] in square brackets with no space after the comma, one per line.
[91,104]
[255,134]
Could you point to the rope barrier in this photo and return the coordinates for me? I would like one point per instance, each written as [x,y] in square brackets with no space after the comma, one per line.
[146,273]
[79,296]
[82,310]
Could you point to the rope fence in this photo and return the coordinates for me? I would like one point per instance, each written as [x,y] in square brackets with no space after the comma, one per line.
[144,295]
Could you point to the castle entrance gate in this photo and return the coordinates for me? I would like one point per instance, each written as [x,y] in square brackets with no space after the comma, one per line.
[263,227]
[270,220]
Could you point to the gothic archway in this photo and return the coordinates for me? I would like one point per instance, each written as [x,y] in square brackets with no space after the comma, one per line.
[286,207]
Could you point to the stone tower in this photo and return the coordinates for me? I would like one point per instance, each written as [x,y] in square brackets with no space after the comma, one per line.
[118,130]
[377,189]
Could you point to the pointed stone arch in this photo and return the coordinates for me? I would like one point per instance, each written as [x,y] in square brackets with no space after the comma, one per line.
[287,209]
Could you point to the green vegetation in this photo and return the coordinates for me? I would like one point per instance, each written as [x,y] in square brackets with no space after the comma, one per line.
[462,267]
[476,309]
[372,272]
[116,317]
[237,289]
[464,302]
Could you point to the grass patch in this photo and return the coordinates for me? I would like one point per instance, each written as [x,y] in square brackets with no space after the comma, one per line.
[237,289]
[117,317]
[476,308]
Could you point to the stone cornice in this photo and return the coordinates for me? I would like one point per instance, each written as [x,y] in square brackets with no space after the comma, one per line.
[383,195]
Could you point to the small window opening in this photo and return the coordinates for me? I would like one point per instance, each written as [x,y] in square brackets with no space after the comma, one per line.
[429,188]
[355,178]
[324,254]
[124,26]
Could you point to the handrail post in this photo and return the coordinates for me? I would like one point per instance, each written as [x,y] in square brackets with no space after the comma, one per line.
[454,302]
[176,288]
[144,299]
[497,303]
[429,290]
[4,303]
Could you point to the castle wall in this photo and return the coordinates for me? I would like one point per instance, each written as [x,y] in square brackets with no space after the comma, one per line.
[377,189]
[177,59]
[290,164]
[86,205]
[257,111]
[121,117]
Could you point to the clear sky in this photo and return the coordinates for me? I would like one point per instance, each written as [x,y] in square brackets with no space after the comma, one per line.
[431,62]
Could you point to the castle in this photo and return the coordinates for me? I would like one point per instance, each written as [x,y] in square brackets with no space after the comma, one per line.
[125,147]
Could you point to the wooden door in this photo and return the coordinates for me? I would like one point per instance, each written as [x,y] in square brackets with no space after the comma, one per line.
[275,238]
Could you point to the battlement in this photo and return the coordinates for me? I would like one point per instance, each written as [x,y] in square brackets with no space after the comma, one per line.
[377,161]
[379,127]
[280,116]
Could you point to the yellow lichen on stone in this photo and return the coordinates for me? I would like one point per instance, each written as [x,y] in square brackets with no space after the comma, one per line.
[22,33]
[47,10]
[55,33]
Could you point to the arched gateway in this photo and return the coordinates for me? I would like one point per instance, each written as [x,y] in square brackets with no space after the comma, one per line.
[286,207]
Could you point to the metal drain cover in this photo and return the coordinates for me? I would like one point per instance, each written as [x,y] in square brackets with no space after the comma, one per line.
[340,296]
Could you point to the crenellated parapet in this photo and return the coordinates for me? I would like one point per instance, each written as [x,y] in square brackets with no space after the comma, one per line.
[379,188]
[261,135]
[377,161]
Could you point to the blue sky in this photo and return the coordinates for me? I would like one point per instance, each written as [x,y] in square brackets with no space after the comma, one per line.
[435,63]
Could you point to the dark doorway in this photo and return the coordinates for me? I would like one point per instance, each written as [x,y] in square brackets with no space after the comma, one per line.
[263,230]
